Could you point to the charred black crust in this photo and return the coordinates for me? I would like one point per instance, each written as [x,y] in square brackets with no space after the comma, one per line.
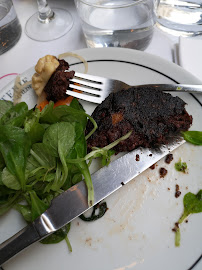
[151,114]
[57,85]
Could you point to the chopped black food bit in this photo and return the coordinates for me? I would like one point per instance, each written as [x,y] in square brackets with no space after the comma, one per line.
[58,83]
[162,172]
[177,191]
[169,158]
[176,227]
[152,167]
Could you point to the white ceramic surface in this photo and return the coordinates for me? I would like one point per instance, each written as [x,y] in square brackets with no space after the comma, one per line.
[136,232]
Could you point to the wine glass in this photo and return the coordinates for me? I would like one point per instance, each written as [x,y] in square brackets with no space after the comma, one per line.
[48,24]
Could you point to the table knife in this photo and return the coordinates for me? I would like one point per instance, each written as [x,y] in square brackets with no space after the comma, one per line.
[105,181]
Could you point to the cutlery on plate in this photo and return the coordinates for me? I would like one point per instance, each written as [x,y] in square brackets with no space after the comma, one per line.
[95,89]
[105,181]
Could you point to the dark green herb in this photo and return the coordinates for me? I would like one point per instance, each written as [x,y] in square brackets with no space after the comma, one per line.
[181,166]
[47,116]
[192,204]
[37,205]
[10,202]
[32,127]
[15,147]
[5,106]
[194,137]
[25,210]
[41,155]
[57,236]
[60,137]
[102,208]
[9,180]
[15,116]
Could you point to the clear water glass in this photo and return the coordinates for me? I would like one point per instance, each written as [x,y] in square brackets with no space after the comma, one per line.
[117,23]
[10,28]
[48,24]
[180,17]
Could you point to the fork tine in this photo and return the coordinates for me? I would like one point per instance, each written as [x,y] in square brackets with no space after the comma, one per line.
[89,77]
[87,83]
[84,97]
[85,89]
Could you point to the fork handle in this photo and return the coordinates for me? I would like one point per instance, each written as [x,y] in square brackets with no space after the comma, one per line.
[174,87]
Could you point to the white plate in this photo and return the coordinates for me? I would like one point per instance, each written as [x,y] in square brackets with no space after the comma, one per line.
[136,232]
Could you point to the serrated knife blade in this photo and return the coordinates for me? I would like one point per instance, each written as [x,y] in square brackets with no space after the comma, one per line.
[73,202]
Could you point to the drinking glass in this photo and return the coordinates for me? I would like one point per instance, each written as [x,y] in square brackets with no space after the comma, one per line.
[10,28]
[48,24]
[180,17]
[117,23]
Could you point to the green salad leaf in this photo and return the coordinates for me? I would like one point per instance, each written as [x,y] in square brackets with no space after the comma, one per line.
[15,147]
[9,180]
[181,166]
[5,106]
[42,154]
[192,204]
[194,137]
[37,205]
[58,236]
[15,116]
[102,208]
[47,115]
[32,127]
[25,210]
[60,137]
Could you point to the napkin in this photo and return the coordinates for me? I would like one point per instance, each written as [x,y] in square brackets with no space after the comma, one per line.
[190,55]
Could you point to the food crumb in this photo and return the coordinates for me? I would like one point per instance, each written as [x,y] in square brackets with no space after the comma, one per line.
[137,157]
[162,172]
[89,241]
[169,158]
[152,167]
[168,188]
[176,227]
[177,191]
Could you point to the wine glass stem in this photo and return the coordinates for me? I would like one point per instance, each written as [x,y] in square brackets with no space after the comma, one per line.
[45,12]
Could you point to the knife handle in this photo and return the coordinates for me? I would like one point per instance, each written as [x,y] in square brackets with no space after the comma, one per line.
[18,242]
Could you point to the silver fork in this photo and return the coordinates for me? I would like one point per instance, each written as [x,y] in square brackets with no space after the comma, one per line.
[95,89]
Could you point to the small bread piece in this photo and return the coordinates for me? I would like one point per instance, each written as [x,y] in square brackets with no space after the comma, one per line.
[44,68]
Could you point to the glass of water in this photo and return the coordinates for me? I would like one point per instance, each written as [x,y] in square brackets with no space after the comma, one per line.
[180,17]
[10,28]
[117,23]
